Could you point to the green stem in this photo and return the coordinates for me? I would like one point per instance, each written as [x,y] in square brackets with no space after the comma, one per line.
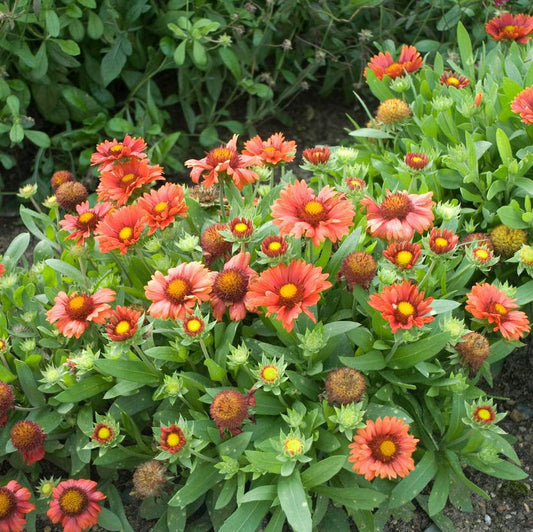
[221,199]
[393,350]
[204,349]
[203,457]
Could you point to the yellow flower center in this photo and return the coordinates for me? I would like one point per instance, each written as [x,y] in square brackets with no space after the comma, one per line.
[241,227]
[73,501]
[127,178]
[394,70]
[452,80]
[405,308]
[500,309]
[161,206]
[313,208]
[6,502]
[395,206]
[177,288]
[269,150]
[481,254]
[229,282]
[274,246]
[125,233]
[417,159]
[403,258]
[122,327]
[288,291]
[484,413]
[86,217]
[194,325]
[104,433]
[47,488]
[441,242]
[221,155]
[293,446]
[173,439]
[269,373]
[387,448]
[77,302]
[509,30]
[116,148]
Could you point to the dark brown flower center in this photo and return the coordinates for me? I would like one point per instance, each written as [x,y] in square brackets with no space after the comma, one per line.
[79,307]
[384,448]
[396,206]
[230,285]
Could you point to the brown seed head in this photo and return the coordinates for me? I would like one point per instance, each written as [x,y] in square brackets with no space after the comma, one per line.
[70,194]
[473,350]
[345,386]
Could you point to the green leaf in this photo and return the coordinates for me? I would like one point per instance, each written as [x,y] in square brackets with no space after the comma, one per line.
[16,133]
[411,354]
[39,138]
[294,502]
[370,133]
[353,498]
[234,447]
[28,384]
[51,21]
[230,60]
[439,491]
[17,248]
[179,53]
[84,389]
[113,62]
[501,469]
[261,493]
[512,216]
[68,46]
[199,55]
[410,486]
[465,47]
[202,479]
[372,361]
[321,472]
[108,520]
[247,517]
[95,26]
[504,146]
[129,370]
[67,270]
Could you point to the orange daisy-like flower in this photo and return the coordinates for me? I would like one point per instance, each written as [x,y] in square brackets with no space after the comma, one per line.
[174,295]
[288,290]
[383,64]
[110,151]
[84,224]
[416,161]
[121,229]
[299,211]
[230,408]
[452,79]
[442,241]
[75,504]
[230,288]
[403,306]
[122,323]
[223,161]
[28,438]
[399,215]
[487,301]
[272,151]
[523,105]
[274,246]
[74,313]
[14,506]
[161,206]
[317,155]
[510,27]
[7,400]
[172,439]
[121,180]
[213,243]
[383,449]
[404,255]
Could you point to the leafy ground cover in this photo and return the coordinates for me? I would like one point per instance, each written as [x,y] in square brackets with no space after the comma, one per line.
[271,350]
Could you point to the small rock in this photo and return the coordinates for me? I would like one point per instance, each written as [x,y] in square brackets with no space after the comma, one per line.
[517,416]
[501,508]
[488,520]
[526,508]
